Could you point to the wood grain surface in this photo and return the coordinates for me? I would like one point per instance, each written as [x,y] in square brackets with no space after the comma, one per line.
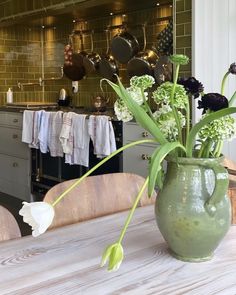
[65,261]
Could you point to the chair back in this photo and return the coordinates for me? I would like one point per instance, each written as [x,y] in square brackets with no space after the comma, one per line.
[9,228]
[96,196]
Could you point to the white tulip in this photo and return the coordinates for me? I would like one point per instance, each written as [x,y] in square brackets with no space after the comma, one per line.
[38,215]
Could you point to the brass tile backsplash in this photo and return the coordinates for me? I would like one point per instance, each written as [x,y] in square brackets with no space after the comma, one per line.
[22,48]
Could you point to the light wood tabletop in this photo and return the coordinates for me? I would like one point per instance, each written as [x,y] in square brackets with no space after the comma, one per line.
[66,261]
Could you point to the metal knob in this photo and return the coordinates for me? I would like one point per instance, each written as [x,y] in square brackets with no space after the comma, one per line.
[145,157]
[15,120]
[15,164]
[14,136]
[144,134]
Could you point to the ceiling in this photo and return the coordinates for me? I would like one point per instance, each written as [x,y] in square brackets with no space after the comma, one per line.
[82,11]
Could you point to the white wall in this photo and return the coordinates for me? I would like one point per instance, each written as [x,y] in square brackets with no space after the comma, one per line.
[214,49]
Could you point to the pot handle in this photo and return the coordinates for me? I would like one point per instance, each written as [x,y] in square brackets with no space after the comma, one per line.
[221,186]
[144,37]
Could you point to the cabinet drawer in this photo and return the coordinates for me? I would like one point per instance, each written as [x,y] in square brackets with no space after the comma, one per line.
[11,119]
[11,143]
[16,190]
[136,159]
[132,132]
[15,170]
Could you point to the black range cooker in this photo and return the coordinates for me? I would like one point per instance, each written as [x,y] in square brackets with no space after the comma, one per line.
[48,171]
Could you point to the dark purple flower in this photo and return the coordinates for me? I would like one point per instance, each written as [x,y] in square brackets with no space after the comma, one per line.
[192,86]
[213,102]
[232,68]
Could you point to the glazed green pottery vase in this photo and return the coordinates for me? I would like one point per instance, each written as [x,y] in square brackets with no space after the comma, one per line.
[193,210]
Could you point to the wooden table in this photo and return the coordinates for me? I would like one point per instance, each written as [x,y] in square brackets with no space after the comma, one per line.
[66,261]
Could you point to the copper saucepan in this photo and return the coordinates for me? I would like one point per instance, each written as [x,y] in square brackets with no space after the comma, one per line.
[91,61]
[107,65]
[144,62]
[124,46]
[73,64]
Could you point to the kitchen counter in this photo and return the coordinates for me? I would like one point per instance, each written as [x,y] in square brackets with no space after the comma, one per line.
[54,108]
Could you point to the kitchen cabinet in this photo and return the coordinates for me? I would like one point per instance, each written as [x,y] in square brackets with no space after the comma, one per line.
[15,165]
[136,159]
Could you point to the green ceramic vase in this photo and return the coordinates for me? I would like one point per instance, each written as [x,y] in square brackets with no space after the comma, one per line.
[193,210]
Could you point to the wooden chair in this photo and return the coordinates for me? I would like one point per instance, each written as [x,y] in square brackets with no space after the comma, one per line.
[231,167]
[96,196]
[9,228]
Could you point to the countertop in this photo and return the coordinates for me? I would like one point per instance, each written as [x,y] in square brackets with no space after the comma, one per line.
[66,261]
[54,108]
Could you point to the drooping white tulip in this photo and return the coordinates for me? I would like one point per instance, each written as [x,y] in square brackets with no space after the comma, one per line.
[38,215]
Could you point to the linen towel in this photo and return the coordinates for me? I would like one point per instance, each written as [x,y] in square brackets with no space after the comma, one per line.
[27,128]
[102,135]
[55,125]
[35,129]
[43,132]
[80,138]
[66,133]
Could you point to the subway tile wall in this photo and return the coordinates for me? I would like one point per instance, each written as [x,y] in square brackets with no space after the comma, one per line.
[22,48]
[183,32]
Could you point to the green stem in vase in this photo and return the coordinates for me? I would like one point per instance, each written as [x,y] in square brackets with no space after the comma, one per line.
[132,210]
[147,106]
[98,165]
[218,148]
[223,83]
[187,119]
[175,112]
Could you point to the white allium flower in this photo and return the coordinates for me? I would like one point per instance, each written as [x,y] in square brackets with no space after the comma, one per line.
[122,112]
[39,215]
[163,93]
[136,94]
[144,82]
[221,129]
[167,123]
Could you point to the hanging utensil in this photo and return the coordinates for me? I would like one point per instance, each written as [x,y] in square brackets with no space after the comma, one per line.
[73,65]
[124,46]
[91,61]
[107,65]
[163,70]
[144,62]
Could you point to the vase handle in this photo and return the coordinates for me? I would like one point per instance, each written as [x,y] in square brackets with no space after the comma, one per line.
[221,186]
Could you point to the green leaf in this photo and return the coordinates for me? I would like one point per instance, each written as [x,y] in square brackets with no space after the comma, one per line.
[156,161]
[160,178]
[138,112]
[209,118]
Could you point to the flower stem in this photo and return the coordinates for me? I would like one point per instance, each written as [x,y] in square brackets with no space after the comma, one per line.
[132,210]
[218,148]
[223,83]
[98,165]
[175,113]
[187,120]
[147,106]
[232,99]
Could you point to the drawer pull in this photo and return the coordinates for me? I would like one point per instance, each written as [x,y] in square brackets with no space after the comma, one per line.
[14,136]
[15,120]
[144,134]
[15,164]
[145,157]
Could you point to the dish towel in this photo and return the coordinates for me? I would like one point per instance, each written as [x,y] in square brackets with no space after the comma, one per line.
[80,139]
[27,128]
[66,133]
[35,129]
[55,125]
[43,132]
[102,134]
